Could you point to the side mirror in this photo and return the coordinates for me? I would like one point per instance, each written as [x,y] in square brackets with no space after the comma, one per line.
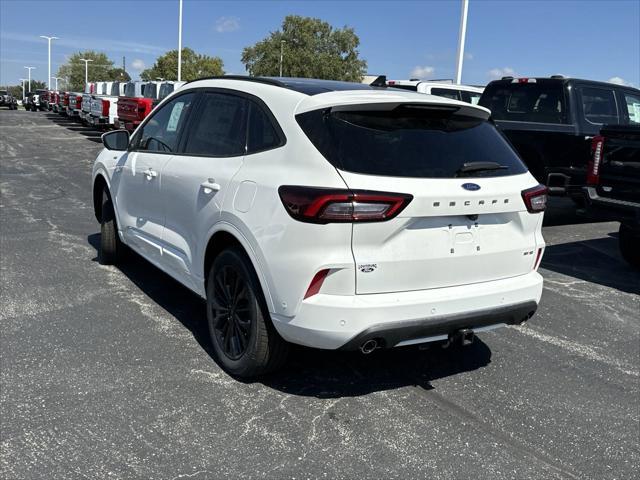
[116,140]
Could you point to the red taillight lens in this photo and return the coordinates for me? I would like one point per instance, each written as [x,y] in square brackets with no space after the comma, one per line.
[105,108]
[535,199]
[324,205]
[78,101]
[593,174]
[316,283]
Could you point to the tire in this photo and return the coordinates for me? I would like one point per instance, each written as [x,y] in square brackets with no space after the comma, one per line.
[111,248]
[245,342]
[629,244]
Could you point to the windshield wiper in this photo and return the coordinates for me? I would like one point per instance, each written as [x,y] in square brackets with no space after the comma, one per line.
[479,167]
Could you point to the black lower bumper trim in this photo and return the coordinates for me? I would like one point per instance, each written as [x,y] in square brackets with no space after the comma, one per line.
[390,334]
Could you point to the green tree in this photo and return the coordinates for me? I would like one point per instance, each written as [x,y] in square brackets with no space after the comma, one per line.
[120,75]
[101,69]
[194,66]
[311,48]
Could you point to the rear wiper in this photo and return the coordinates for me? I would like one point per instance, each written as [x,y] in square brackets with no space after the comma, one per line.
[479,167]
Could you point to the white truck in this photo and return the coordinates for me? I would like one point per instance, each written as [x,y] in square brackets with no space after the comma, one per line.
[104,108]
[91,88]
[465,93]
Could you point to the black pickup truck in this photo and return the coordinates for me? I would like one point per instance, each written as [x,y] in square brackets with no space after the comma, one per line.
[551,121]
[613,184]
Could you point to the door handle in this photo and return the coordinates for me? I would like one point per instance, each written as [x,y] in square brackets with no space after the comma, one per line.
[210,186]
[150,173]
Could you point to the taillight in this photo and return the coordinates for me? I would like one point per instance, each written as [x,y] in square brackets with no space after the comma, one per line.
[316,283]
[78,101]
[105,108]
[535,199]
[141,109]
[325,205]
[593,174]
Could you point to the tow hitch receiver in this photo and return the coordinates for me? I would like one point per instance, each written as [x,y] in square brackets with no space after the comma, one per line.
[462,337]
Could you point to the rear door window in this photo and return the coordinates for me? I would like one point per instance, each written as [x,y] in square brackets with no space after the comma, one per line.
[632,103]
[526,102]
[446,92]
[220,128]
[598,105]
[409,141]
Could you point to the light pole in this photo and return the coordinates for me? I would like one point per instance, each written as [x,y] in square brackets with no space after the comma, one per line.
[282,42]
[56,79]
[49,42]
[23,80]
[30,68]
[461,36]
[86,69]
[180,41]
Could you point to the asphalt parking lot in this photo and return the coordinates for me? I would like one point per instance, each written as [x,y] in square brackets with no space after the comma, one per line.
[106,372]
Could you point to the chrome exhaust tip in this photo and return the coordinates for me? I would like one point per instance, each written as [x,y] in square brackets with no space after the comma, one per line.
[369,346]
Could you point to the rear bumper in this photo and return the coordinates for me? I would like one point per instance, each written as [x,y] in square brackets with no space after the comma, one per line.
[611,208]
[345,322]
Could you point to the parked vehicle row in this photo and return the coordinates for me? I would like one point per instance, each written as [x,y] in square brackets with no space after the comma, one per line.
[104,105]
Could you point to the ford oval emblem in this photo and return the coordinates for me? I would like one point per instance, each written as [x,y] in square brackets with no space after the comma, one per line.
[471,186]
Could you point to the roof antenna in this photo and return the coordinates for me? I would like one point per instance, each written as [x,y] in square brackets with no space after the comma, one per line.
[380,81]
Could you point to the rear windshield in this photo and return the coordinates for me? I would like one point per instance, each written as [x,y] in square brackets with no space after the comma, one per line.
[165,89]
[3,92]
[150,90]
[130,90]
[409,141]
[526,102]
[115,89]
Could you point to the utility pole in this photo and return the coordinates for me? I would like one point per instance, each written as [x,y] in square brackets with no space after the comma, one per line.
[86,69]
[180,41]
[282,42]
[30,68]
[123,65]
[49,42]
[461,37]
[23,80]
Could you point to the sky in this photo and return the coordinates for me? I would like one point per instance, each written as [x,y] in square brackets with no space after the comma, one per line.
[593,39]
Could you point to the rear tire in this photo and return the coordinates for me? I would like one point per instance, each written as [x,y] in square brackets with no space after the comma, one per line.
[244,340]
[629,243]
[111,248]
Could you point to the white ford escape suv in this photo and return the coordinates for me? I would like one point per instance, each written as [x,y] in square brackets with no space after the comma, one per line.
[329,214]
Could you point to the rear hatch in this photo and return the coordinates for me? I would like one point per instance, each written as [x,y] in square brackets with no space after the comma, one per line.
[467,221]
[620,163]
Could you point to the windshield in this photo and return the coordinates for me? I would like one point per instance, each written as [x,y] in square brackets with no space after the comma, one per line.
[409,141]
[165,89]
[526,102]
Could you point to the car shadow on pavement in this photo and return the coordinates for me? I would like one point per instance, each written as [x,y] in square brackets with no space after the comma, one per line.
[597,260]
[312,372]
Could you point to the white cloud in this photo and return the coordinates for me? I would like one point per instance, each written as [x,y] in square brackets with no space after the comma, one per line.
[468,56]
[495,73]
[227,24]
[620,81]
[138,64]
[422,72]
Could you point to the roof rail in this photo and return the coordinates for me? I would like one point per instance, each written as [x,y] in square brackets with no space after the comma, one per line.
[380,81]
[557,76]
[246,78]
[506,78]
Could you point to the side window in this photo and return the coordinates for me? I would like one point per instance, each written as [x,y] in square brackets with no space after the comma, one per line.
[471,97]
[633,107]
[220,129]
[598,105]
[262,135]
[160,132]
[445,92]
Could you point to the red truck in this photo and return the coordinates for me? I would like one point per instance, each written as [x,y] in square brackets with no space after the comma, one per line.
[63,102]
[134,106]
